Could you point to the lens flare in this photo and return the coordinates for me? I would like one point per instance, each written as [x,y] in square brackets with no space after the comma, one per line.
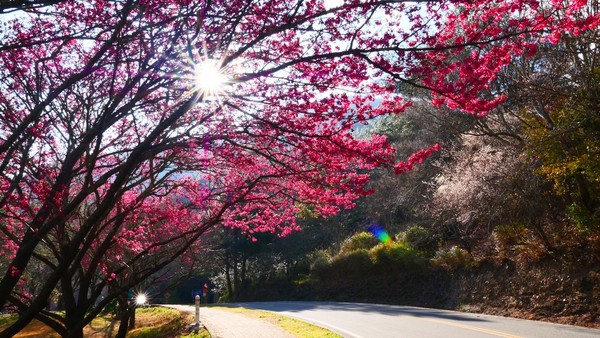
[210,78]
[379,233]
[141,299]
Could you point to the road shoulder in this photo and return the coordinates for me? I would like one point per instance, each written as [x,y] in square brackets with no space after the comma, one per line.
[226,324]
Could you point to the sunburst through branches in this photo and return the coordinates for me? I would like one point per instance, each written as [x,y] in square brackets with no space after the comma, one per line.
[210,79]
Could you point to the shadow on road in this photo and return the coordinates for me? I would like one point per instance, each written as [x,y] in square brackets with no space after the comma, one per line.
[391,310]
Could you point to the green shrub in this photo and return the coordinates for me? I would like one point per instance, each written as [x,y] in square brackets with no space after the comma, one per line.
[354,264]
[583,219]
[396,255]
[319,262]
[359,241]
[420,238]
[200,334]
[453,258]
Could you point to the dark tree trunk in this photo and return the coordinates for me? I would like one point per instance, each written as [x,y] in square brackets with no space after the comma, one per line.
[131,325]
[236,280]
[123,325]
[228,277]
[584,193]
[123,313]
[75,333]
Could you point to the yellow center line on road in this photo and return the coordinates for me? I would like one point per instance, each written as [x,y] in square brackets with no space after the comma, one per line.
[472,328]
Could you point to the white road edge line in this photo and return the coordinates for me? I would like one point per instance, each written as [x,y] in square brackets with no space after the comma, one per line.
[343,332]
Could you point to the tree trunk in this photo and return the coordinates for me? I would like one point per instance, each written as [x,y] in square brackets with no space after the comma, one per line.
[228,277]
[244,266]
[584,192]
[131,318]
[75,333]
[18,264]
[123,325]
[123,312]
[542,235]
[236,280]
[243,275]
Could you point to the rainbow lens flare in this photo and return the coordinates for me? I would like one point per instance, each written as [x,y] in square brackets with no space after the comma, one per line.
[379,233]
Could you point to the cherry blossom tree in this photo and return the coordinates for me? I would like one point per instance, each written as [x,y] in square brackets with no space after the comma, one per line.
[130,128]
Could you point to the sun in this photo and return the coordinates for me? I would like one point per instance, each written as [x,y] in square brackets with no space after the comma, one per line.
[210,78]
[141,299]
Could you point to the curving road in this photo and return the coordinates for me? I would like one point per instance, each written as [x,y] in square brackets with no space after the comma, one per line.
[382,321]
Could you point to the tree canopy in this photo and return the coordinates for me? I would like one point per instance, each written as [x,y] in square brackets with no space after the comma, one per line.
[131,128]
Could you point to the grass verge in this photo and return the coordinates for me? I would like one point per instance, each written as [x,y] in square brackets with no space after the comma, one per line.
[156,322]
[295,327]
[150,322]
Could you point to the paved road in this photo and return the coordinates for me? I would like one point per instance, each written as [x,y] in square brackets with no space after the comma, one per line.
[224,324]
[383,321]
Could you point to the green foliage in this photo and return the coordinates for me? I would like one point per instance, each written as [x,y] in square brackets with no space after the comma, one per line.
[567,143]
[396,255]
[319,262]
[356,263]
[359,241]
[358,258]
[571,147]
[7,319]
[199,334]
[306,212]
[453,258]
[396,128]
[420,238]
[583,219]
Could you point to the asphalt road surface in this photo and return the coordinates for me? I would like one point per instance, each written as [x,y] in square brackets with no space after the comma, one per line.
[382,321]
